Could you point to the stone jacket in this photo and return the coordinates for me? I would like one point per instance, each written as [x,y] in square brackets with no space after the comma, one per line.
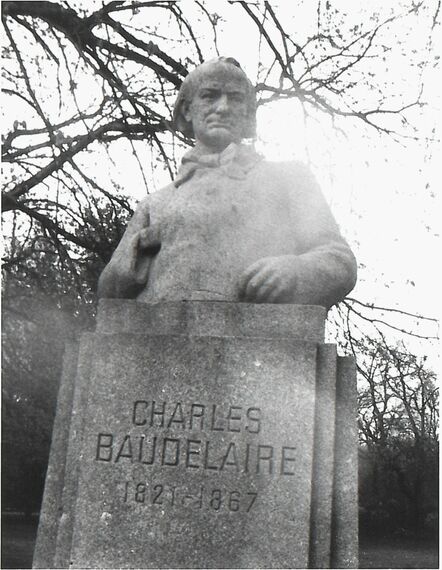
[221,214]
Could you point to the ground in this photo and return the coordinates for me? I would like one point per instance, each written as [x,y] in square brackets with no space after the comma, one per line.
[398,553]
[18,538]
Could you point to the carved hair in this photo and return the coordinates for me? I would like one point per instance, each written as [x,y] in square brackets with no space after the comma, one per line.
[190,84]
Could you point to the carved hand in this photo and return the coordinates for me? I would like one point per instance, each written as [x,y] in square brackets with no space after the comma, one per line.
[124,275]
[269,280]
[129,266]
[129,261]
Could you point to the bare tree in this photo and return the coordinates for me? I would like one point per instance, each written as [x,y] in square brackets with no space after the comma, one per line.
[133,72]
[398,426]
[398,395]
[84,80]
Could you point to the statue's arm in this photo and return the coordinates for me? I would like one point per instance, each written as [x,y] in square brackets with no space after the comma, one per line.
[322,270]
[326,266]
[126,273]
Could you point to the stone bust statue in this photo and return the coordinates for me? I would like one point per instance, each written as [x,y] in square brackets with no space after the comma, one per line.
[232,226]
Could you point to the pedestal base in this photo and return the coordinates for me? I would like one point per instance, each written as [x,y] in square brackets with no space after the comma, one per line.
[203,435]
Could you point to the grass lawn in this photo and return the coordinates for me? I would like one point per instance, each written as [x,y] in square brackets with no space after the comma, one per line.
[398,553]
[18,538]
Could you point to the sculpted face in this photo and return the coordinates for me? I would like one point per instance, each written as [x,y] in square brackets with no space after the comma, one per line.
[218,110]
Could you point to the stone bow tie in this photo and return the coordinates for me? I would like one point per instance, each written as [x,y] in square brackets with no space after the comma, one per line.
[234,161]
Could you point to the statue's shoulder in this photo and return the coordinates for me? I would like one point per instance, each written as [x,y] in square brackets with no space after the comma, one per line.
[286,172]
[155,199]
[164,193]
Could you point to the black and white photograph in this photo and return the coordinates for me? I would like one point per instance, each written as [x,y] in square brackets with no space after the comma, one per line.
[220,292]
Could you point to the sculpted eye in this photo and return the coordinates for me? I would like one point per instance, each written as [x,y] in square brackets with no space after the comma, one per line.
[237,97]
[208,95]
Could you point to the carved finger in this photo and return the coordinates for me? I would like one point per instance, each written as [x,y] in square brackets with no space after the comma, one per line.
[265,290]
[252,287]
[267,282]
[131,259]
[142,270]
[143,233]
[274,295]
[245,278]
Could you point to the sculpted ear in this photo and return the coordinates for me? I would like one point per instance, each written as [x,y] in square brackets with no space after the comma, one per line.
[186,112]
[182,116]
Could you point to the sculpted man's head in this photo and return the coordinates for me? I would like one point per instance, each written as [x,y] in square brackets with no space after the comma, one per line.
[216,105]
[235,227]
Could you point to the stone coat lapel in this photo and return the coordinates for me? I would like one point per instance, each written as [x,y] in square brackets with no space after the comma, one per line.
[235,162]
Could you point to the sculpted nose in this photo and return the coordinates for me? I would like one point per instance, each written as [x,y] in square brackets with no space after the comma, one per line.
[222,104]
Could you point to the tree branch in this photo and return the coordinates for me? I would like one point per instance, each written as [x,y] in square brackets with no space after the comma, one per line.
[9,199]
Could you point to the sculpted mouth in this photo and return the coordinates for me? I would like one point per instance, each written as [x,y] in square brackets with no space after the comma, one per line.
[220,125]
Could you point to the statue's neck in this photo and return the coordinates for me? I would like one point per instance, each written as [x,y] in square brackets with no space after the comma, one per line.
[202,149]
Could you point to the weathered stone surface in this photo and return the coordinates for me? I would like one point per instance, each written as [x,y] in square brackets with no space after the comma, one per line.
[323,453]
[344,553]
[199,318]
[73,453]
[241,412]
[52,508]
[245,386]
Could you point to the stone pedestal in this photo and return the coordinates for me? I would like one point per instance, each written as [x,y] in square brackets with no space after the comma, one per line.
[203,435]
